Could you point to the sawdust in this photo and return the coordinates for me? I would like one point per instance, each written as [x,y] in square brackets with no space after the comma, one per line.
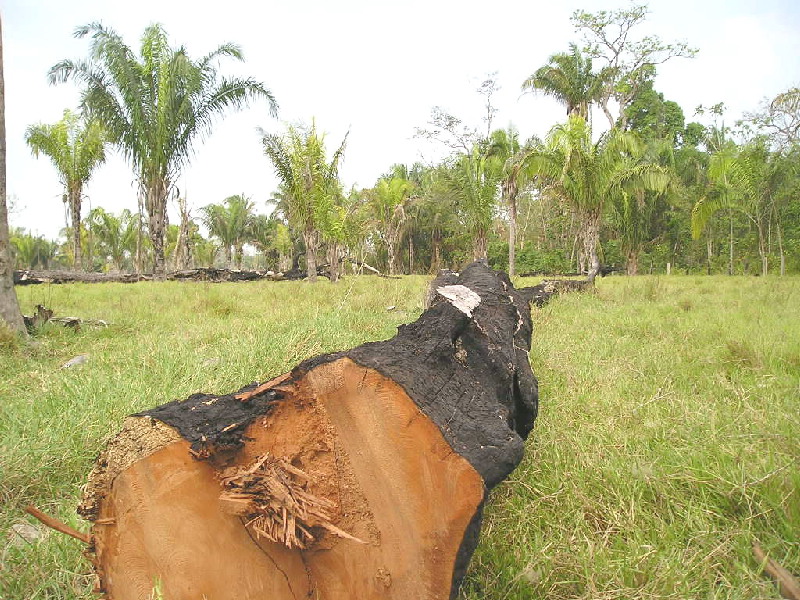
[139,438]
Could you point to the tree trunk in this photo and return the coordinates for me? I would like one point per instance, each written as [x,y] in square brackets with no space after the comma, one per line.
[360,474]
[632,263]
[512,230]
[436,251]
[239,256]
[333,261]
[730,255]
[591,237]
[139,257]
[311,240]
[410,254]
[480,246]
[183,250]
[156,204]
[390,251]
[9,305]
[74,194]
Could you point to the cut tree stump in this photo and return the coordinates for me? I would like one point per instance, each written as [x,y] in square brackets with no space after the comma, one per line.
[360,474]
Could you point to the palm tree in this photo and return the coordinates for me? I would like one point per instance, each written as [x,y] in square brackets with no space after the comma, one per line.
[388,202]
[9,305]
[587,174]
[474,178]
[115,235]
[231,223]
[76,148]
[504,144]
[568,78]
[635,207]
[743,180]
[308,181]
[156,106]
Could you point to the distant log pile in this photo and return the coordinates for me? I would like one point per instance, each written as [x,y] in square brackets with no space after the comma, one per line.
[201,274]
[360,474]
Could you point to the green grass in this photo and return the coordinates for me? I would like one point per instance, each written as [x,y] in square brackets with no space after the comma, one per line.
[668,439]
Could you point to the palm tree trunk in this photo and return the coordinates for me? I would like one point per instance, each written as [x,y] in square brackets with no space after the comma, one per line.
[311,239]
[480,246]
[333,261]
[9,305]
[436,252]
[156,204]
[512,236]
[591,237]
[391,242]
[410,254]
[75,216]
[632,262]
[730,256]
[138,260]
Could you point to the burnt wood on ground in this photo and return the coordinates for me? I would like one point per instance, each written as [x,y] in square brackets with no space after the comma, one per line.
[359,474]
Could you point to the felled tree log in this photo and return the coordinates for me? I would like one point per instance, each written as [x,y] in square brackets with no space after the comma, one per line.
[39,277]
[542,293]
[360,474]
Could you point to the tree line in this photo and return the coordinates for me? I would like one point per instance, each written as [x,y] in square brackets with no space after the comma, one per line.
[644,191]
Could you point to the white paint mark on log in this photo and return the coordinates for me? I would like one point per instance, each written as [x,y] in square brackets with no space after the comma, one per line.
[463,298]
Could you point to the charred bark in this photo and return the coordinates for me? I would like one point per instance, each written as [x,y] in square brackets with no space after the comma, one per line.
[359,474]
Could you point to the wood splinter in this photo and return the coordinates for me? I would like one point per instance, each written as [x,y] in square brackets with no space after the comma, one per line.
[54,523]
[788,585]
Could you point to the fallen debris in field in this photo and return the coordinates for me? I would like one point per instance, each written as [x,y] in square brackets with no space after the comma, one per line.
[75,361]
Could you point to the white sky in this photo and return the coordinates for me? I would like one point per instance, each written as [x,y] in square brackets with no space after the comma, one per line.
[373,67]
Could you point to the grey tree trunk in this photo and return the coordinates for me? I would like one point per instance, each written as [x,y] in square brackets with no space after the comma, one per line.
[9,305]
[730,255]
[311,239]
[391,250]
[591,238]
[511,194]
[333,261]
[75,217]
[156,204]
[480,247]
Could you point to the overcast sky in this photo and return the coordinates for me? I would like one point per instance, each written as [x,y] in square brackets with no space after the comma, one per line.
[375,68]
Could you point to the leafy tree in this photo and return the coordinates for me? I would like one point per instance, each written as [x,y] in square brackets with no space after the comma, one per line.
[155,106]
[76,148]
[308,181]
[568,77]
[654,118]
[231,223]
[629,62]
[780,117]
[9,306]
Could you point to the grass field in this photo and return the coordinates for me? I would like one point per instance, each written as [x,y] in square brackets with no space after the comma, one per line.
[668,439]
